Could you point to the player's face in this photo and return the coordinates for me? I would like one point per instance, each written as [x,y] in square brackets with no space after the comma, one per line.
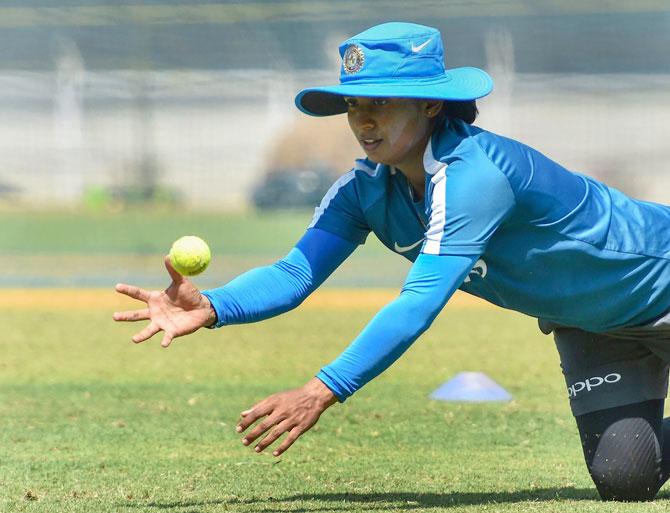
[392,131]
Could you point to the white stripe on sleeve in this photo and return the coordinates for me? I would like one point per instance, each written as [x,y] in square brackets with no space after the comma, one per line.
[438,213]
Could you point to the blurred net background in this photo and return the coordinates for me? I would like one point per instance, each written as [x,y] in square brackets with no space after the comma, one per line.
[128,124]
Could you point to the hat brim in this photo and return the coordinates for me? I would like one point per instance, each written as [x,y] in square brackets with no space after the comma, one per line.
[457,84]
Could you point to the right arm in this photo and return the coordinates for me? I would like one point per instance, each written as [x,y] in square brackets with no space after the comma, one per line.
[337,228]
[258,294]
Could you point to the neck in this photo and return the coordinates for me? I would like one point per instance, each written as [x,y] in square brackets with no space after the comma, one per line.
[414,171]
[416,182]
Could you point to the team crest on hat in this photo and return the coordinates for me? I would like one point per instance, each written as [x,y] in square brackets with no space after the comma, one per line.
[353,59]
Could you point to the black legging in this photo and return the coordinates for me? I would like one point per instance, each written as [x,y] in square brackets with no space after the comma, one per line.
[624,450]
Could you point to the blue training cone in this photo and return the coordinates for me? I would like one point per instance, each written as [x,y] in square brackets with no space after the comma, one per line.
[471,387]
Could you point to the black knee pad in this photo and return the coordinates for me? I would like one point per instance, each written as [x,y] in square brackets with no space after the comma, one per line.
[623,455]
[626,461]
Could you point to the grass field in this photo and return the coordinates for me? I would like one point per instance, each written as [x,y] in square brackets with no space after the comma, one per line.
[91,423]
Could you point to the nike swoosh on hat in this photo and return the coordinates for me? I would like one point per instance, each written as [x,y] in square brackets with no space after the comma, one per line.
[417,49]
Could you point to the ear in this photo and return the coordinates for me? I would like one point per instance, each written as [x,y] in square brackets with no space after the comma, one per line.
[432,108]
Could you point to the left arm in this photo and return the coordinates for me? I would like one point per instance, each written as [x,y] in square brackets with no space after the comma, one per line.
[429,285]
[463,218]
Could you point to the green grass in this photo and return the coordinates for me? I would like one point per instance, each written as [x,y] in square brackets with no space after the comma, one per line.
[90,422]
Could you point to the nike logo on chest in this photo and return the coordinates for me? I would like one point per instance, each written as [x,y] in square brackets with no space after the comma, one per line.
[404,249]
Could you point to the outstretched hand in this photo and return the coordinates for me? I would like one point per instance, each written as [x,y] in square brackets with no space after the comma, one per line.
[293,412]
[177,311]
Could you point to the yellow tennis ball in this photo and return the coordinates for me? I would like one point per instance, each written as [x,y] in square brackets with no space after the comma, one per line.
[190,255]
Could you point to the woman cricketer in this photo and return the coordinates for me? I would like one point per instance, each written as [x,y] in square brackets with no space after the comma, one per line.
[475,211]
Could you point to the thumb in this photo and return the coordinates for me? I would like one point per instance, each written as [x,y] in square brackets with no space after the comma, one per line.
[176,277]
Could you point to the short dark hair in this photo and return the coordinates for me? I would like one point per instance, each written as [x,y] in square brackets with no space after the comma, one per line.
[466,111]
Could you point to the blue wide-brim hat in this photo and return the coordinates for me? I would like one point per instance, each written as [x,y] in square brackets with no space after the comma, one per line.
[400,60]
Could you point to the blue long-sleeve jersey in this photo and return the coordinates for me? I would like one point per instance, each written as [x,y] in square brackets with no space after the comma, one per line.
[498,219]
